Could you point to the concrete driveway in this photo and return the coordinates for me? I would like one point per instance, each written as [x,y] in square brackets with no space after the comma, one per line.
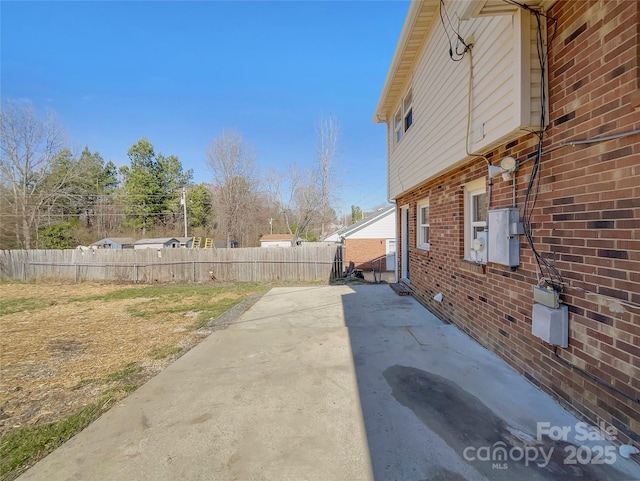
[332,383]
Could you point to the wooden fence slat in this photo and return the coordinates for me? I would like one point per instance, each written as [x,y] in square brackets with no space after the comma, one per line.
[305,263]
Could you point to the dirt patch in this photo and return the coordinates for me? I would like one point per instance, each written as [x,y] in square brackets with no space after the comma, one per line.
[62,346]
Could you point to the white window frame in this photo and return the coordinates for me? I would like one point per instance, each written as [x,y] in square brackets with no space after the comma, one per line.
[421,242]
[471,191]
[407,109]
[403,116]
[397,126]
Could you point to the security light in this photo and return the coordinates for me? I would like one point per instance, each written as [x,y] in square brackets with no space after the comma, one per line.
[507,167]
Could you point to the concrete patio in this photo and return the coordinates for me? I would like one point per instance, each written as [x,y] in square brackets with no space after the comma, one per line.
[334,383]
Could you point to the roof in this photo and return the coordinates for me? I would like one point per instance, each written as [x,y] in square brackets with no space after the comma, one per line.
[276,237]
[420,19]
[157,240]
[350,229]
[114,240]
[416,26]
[184,239]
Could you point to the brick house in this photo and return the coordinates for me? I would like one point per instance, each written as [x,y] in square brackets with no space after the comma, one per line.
[369,239]
[489,207]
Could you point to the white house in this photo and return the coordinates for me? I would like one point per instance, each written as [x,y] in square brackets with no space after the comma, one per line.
[371,238]
[275,240]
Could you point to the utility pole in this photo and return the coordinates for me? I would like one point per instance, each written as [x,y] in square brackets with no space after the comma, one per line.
[271,224]
[183,201]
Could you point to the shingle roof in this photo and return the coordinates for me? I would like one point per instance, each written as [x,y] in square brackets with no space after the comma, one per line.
[156,240]
[276,237]
[363,222]
[114,240]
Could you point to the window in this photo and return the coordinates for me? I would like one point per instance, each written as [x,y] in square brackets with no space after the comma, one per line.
[407,105]
[403,118]
[475,219]
[422,241]
[397,125]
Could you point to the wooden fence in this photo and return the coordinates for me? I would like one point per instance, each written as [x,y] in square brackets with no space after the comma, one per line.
[309,262]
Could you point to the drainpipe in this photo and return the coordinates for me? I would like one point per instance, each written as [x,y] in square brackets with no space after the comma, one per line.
[395,269]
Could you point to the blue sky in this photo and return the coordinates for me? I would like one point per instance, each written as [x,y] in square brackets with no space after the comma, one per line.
[178,73]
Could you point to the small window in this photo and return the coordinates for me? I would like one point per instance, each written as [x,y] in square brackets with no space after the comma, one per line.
[422,242]
[479,211]
[475,220]
[403,118]
[408,110]
[397,125]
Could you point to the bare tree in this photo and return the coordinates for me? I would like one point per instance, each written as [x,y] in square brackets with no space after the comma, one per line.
[327,131]
[300,196]
[29,147]
[306,194]
[232,162]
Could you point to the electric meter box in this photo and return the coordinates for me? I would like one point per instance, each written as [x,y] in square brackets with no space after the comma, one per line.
[479,248]
[504,228]
[551,325]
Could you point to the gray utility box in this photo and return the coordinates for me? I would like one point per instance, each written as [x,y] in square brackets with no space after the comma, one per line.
[551,325]
[504,228]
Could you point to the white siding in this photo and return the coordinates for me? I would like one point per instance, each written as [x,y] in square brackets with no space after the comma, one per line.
[332,238]
[275,243]
[382,228]
[502,103]
[149,246]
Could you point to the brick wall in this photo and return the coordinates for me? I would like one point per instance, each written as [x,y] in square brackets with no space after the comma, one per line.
[587,223]
[362,251]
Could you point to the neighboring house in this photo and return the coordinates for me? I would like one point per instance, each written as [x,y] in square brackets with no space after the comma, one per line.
[275,240]
[114,243]
[186,242]
[574,190]
[157,243]
[369,239]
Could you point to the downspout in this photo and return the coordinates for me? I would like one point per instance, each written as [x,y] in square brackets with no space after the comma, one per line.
[395,267]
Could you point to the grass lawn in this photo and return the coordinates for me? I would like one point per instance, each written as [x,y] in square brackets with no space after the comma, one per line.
[68,352]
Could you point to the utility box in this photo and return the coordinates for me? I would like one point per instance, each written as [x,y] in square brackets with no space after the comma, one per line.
[546,297]
[504,242]
[551,325]
[479,248]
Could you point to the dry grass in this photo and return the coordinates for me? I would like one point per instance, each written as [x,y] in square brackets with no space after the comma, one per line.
[64,346]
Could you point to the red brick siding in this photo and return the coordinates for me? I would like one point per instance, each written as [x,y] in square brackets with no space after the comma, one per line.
[362,251]
[587,220]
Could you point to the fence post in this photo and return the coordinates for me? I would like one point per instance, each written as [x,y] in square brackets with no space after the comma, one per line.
[193,264]
[75,274]
[135,273]
[316,264]
[255,270]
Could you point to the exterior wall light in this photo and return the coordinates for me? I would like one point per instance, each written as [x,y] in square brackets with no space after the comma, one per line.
[507,167]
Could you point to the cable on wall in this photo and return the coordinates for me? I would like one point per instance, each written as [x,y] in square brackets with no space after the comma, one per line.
[593,377]
[457,56]
[553,277]
[454,54]
[548,274]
